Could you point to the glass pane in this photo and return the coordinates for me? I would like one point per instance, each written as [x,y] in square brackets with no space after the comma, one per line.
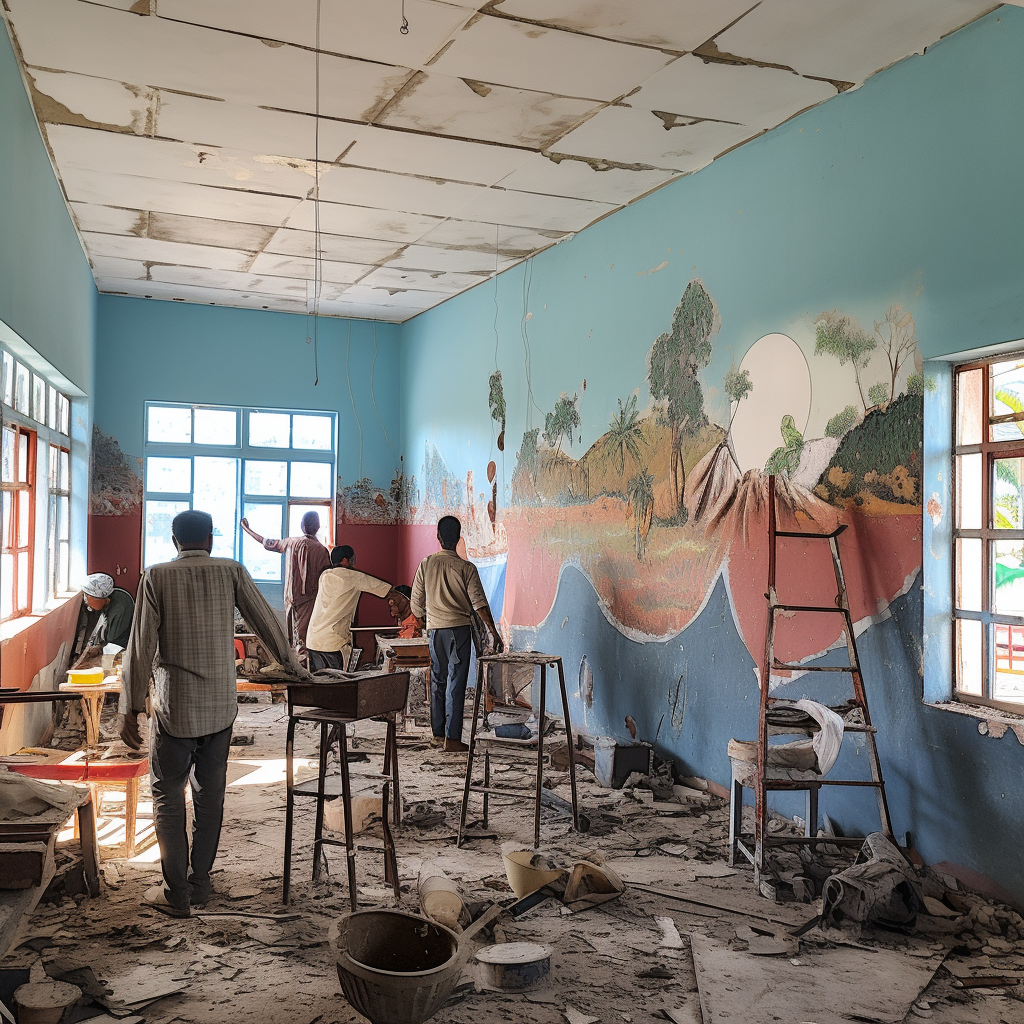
[1007,559]
[38,398]
[51,407]
[7,459]
[24,518]
[968,491]
[23,458]
[64,517]
[7,378]
[169,476]
[310,480]
[270,478]
[6,525]
[1007,399]
[267,521]
[63,568]
[23,579]
[54,471]
[170,424]
[968,574]
[968,656]
[1008,494]
[968,406]
[64,415]
[295,514]
[269,429]
[1009,678]
[216,426]
[216,491]
[158,517]
[312,432]
[21,389]
[65,471]
[6,585]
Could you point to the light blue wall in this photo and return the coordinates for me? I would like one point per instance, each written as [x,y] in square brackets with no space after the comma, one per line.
[905,191]
[150,350]
[47,295]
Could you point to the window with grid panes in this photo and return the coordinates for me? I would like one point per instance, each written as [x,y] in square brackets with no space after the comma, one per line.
[268,466]
[17,518]
[988,550]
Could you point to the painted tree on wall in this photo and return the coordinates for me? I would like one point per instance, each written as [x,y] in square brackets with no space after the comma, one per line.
[676,360]
[625,434]
[561,423]
[897,334]
[496,402]
[842,337]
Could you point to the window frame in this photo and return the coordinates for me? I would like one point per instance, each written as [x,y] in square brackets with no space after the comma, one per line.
[17,487]
[242,452]
[988,534]
[54,542]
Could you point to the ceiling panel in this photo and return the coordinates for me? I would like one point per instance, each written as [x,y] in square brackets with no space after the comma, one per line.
[844,39]
[183,133]
[672,24]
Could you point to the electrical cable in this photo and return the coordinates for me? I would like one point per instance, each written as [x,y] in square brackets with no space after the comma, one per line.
[318,270]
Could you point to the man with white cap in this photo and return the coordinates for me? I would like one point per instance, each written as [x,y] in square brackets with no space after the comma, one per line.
[105,618]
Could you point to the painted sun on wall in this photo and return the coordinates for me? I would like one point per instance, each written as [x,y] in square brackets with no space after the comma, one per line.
[673,495]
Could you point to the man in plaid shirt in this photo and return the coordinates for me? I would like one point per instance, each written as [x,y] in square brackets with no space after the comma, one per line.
[183,636]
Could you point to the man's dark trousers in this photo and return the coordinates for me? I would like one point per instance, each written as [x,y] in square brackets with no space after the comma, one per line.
[175,761]
[449,669]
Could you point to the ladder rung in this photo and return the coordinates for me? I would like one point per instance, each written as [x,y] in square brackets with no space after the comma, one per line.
[816,668]
[807,608]
[811,536]
[783,784]
[813,840]
[782,729]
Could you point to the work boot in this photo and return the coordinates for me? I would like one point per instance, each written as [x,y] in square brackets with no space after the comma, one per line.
[455,747]
[436,741]
[200,893]
[156,896]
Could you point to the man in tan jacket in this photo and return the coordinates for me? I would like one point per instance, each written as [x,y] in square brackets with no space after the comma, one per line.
[446,593]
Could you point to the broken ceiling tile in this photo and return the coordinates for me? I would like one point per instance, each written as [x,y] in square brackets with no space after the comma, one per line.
[420,280]
[345,248]
[428,257]
[362,222]
[754,96]
[621,133]
[509,241]
[504,52]
[230,234]
[301,267]
[179,161]
[441,105]
[584,179]
[111,220]
[110,189]
[671,24]
[847,40]
[406,298]
[152,249]
[530,210]
[406,193]
[165,54]
[389,149]
[115,266]
[60,97]
[249,128]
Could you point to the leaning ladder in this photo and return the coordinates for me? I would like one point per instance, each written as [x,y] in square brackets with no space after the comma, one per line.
[855,713]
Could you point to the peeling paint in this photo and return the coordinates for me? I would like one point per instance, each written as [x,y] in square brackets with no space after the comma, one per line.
[935,508]
[598,163]
[478,87]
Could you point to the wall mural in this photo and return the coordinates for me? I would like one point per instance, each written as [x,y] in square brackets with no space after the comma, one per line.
[672,497]
[115,488]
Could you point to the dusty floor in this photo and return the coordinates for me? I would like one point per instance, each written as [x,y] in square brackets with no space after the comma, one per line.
[612,963]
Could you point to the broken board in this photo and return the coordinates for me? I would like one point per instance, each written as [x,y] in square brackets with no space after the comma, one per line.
[824,986]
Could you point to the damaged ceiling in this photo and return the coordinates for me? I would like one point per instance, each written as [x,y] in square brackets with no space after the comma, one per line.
[183,131]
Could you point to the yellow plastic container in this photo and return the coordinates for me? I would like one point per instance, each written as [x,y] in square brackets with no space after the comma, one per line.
[85,676]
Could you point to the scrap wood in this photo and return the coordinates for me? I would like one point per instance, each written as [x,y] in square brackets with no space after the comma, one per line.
[670,937]
[688,1013]
[203,915]
[713,906]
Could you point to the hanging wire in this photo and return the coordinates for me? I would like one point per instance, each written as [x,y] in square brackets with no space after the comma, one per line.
[318,268]
[404,27]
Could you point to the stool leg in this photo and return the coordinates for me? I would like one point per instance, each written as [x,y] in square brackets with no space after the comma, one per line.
[318,828]
[811,826]
[540,753]
[487,783]
[390,860]
[346,802]
[571,748]
[392,734]
[86,822]
[472,748]
[289,806]
[131,810]
[735,817]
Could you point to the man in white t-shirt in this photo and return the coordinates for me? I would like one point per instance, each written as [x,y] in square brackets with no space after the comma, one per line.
[329,637]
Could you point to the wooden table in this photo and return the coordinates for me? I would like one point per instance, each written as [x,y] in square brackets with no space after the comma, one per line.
[92,704]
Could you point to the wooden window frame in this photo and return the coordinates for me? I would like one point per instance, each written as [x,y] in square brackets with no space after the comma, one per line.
[990,451]
[16,487]
[53,540]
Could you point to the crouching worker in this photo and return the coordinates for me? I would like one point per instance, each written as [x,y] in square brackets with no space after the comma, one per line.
[183,634]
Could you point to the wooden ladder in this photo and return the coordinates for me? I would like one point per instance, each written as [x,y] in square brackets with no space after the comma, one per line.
[855,713]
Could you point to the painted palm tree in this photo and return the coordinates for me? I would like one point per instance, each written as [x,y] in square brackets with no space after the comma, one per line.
[641,502]
[625,435]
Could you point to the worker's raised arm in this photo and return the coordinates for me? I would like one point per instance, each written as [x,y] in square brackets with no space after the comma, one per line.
[269,543]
